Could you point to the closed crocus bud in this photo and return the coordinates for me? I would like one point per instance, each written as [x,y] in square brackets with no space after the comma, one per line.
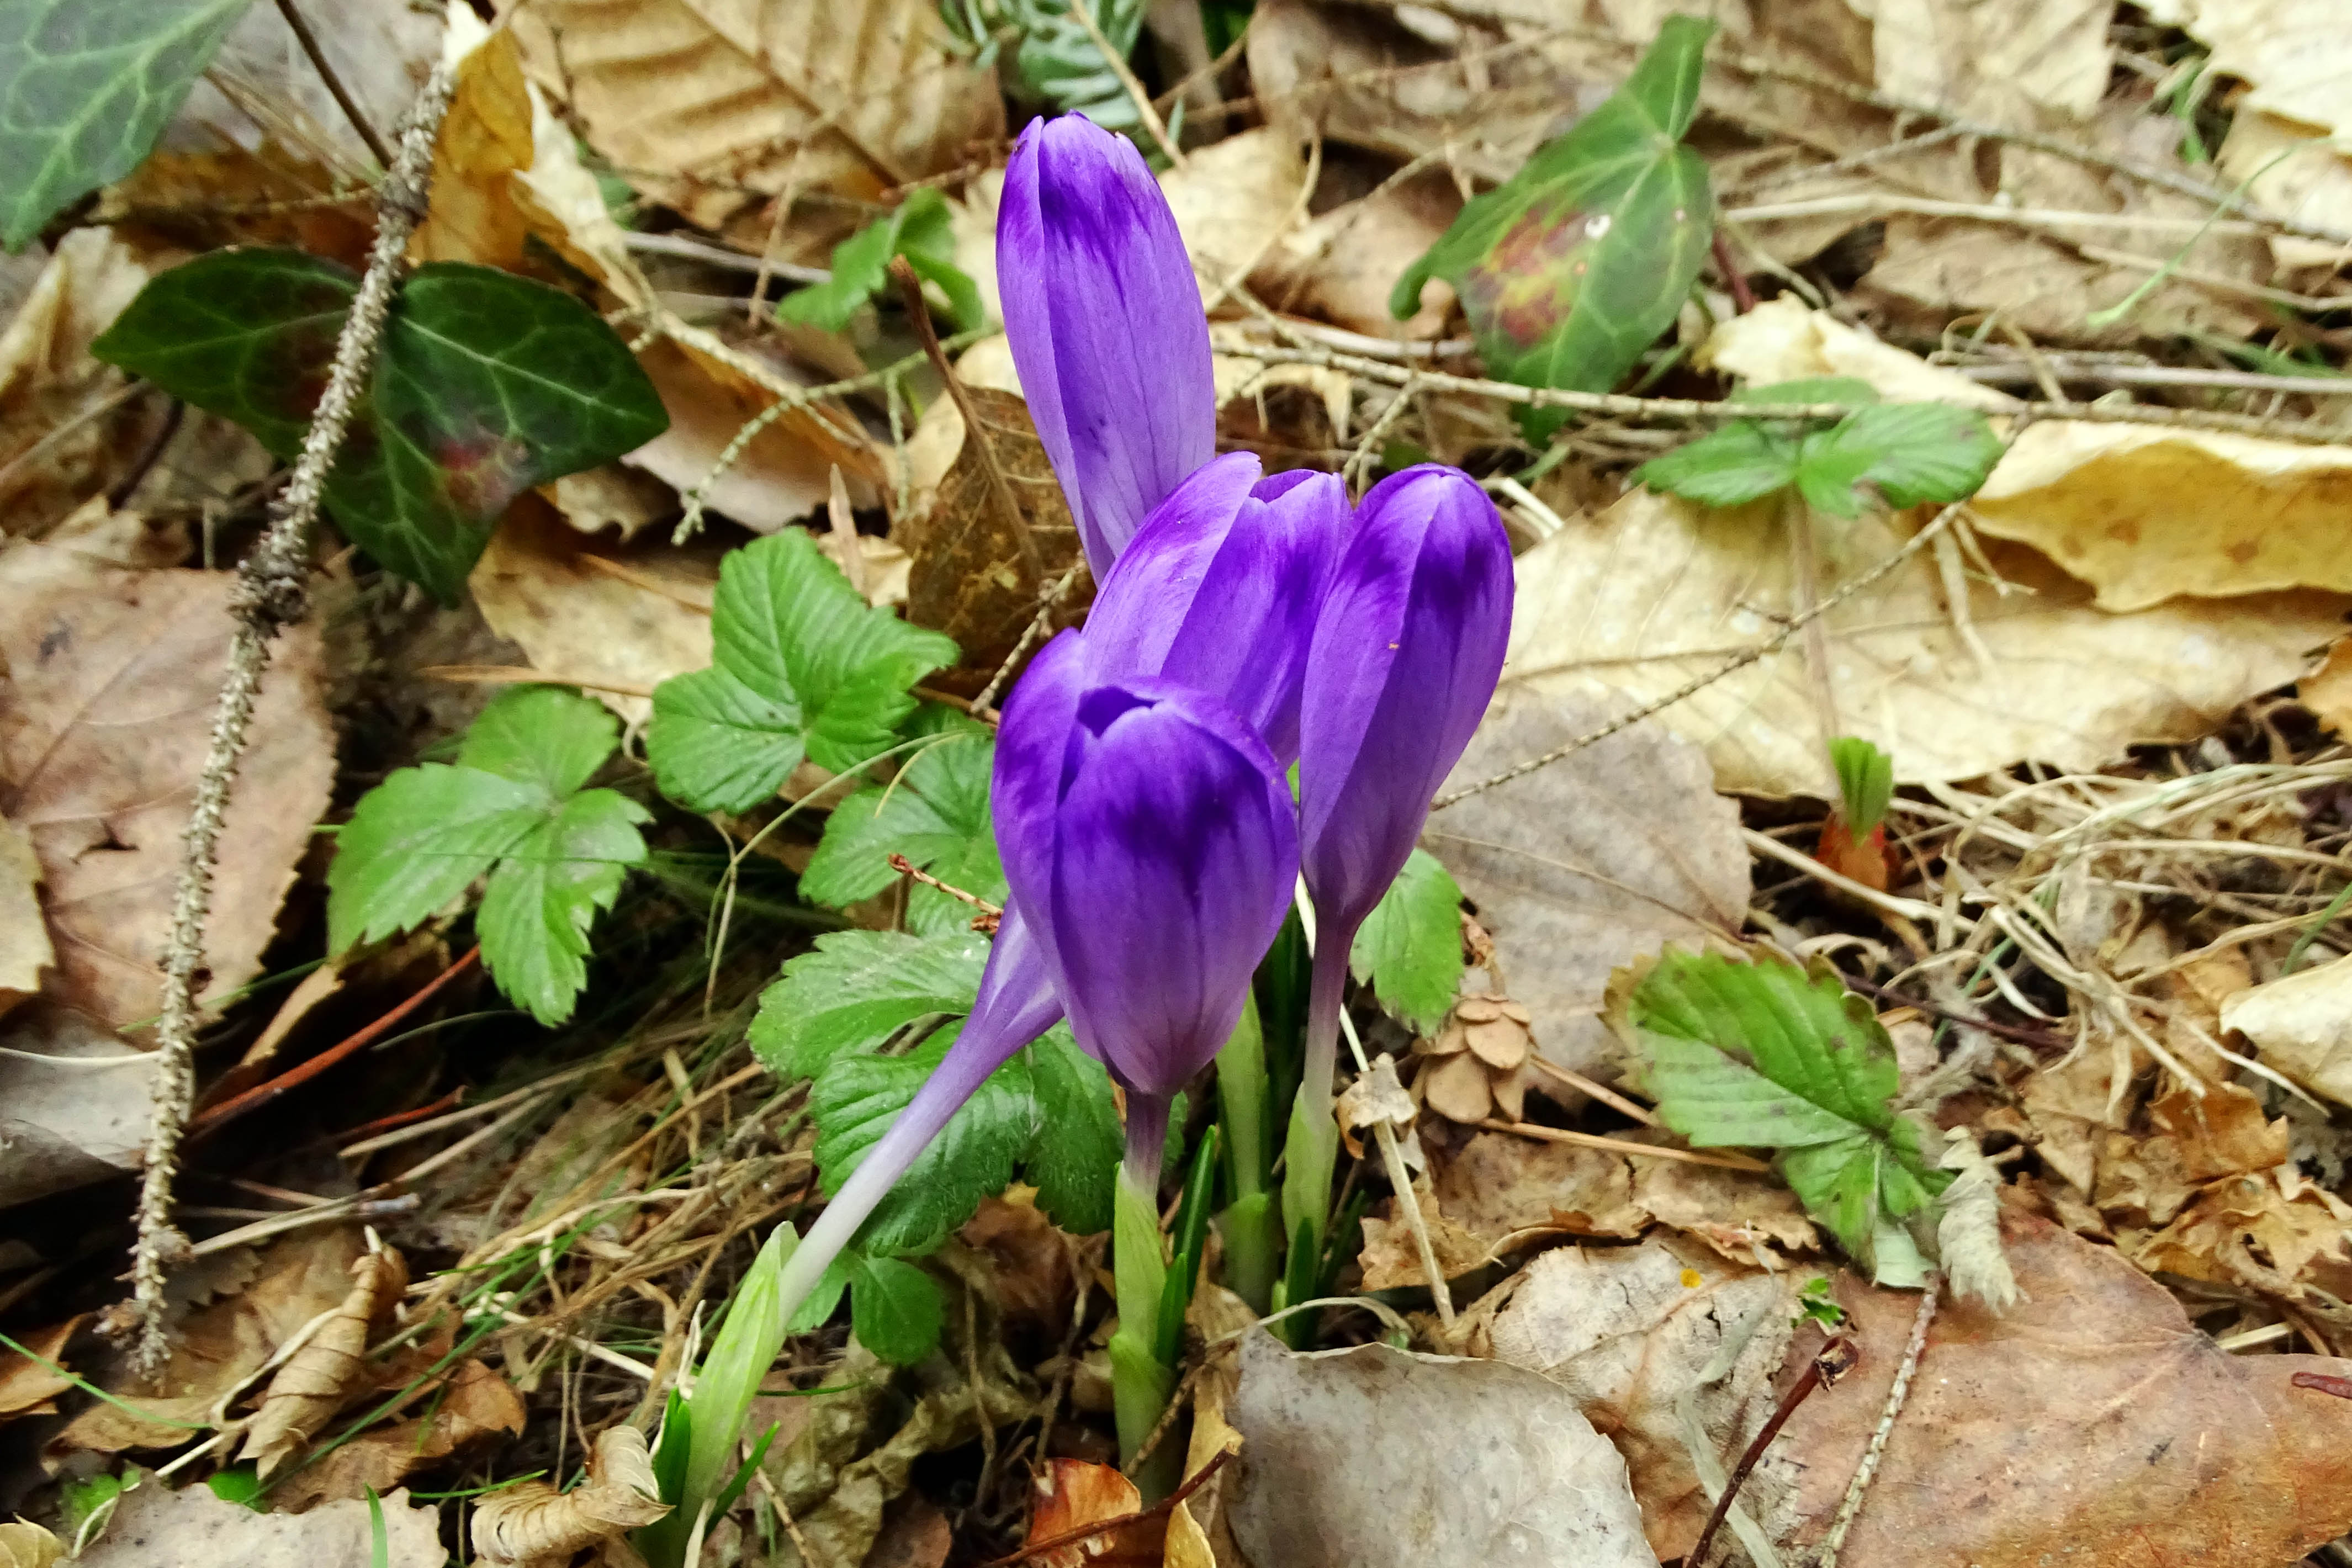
[1219,590]
[1105,324]
[1149,840]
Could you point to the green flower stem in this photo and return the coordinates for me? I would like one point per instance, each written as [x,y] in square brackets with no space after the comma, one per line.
[1312,1151]
[1140,1386]
[1247,1224]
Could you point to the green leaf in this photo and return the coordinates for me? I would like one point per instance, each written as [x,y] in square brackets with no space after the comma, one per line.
[507,809]
[1409,949]
[936,815]
[547,891]
[817,1308]
[1865,783]
[85,86]
[1740,463]
[1072,1162]
[485,385]
[856,1098]
[895,1308]
[1920,452]
[1765,1056]
[1809,389]
[803,666]
[919,230]
[1573,267]
[240,1484]
[856,989]
[1056,62]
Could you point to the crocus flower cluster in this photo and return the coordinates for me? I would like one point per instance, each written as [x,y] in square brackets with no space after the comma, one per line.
[1242,624]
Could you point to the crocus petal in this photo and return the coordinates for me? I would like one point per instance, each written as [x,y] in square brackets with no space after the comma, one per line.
[1104,323]
[1219,591]
[1159,872]
[1407,648]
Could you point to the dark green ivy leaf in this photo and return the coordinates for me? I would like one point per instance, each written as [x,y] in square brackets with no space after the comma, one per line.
[485,385]
[935,813]
[85,86]
[917,230]
[801,666]
[1573,267]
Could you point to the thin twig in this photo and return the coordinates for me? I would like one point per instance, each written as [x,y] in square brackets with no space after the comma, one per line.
[1836,1359]
[1859,1487]
[1083,11]
[343,100]
[272,592]
[1624,1145]
[984,705]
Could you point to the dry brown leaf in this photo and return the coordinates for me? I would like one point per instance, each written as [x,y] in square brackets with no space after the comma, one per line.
[1656,591]
[465,1407]
[485,139]
[587,610]
[1233,201]
[2327,690]
[1375,1456]
[25,949]
[66,1127]
[1980,60]
[155,1527]
[1782,341]
[2267,1232]
[709,107]
[534,1524]
[1591,862]
[915,1534]
[1626,1331]
[1747,1216]
[1499,1185]
[1071,1494]
[263,87]
[27,1545]
[2302,1026]
[2295,174]
[1374,1099]
[1391,1259]
[968,575]
[782,475]
[2089,1423]
[53,393]
[316,1380]
[1341,263]
[103,730]
[611,496]
[27,1387]
[202,201]
[2292,54]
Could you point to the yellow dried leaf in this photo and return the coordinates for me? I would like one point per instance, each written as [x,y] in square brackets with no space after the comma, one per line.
[24,1545]
[2302,1027]
[25,949]
[2327,690]
[534,1524]
[314,1383]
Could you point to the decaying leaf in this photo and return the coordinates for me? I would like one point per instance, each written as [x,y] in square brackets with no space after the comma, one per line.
[711,109]
[1071,1494]
[53,395]
[66,1127]
[2302,1027]
[103,729]
[1585,865]
[2088,1423]
[25,949]
[155,1527]
[1374,1099]
[27,1387]
[316,1380]
[534,1525]
[2327,690]
[1235,201]
[1374,1455]
[781,475]
[465,1408]
[27,1545]
[1341,263]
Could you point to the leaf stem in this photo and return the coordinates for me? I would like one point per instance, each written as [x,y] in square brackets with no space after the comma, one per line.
[1141,1384]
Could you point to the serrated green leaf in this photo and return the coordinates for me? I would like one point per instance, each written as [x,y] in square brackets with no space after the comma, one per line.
[1570,269]
[936,815]
[554,858]
[1848,389]
[1740,463]
[547,891]
[855,1099]
[85,86]
[1828,469]
[918,229]
[1865,783]
[1765,1056]
[1409,949]
[818,1305]
[1924,452]
[856,989]
[1072,1162]
[895,1308]
[485,385]
[803,666]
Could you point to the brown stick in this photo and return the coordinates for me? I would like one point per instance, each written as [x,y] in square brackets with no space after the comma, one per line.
[309,42]
[1837,1359]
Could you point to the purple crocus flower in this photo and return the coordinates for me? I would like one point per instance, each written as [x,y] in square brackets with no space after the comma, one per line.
[1407,650]
[1105,324]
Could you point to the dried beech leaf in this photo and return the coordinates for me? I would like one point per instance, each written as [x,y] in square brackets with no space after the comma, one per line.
[471,1405]
[534,1524]
[2302,1024]
[155,1527]
[1073,1494]
[312,1385]
[27,1387]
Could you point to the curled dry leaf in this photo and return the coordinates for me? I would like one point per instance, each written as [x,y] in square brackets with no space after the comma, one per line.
[1234,202]
[53,392]
[1375,1098]
[1342,264]
[783,474]
[2302,1025]
[316,1380]
[28,1386]
[1587,864]
[534,1525]
[1071,1494]
[468,1407]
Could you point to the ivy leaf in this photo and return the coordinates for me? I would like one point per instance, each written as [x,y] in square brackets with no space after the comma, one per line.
[1865,778]
[1573,267]
[85,86]
[856,1098]
[1075,1156]
[512,808]
[936,815]
[485,385]
[895,1308]
[802,667]
[1409,949]
[1765,1056]
[919,230]
[856,989]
